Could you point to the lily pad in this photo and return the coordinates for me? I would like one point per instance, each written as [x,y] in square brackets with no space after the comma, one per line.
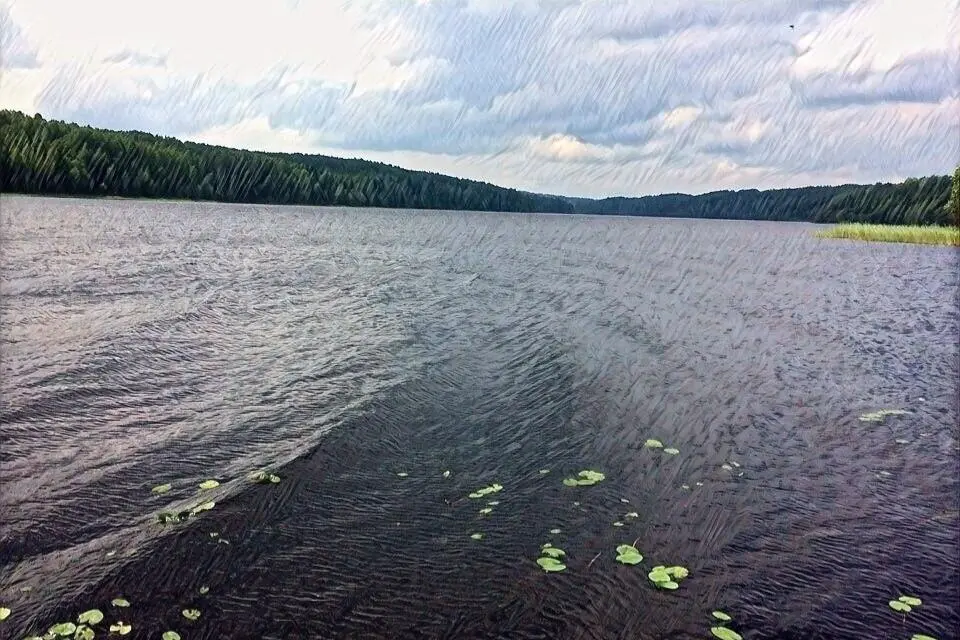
[446,474]
[63,629]
[486,510]
[402,474]
[628,554]
[618,524]
[476,536]
[479,493]
[170,635]
[570,482]
[679,573]
[553,552]
[203,506]
[720,615]
[878,416]
[191,614]
[161,488]
[669,584]
[274,479]
[554,531]
[209,484]
[4,613]
[920,636]
[84,632]
[725,634]
[204,590]
[493,503]
[544,471]
[910,600]
[632,514]
[120,602]
[653,444]
[659,574]
[726,467]
[551,565]
[671,451]
[896,605]
[120,628]
[93,616]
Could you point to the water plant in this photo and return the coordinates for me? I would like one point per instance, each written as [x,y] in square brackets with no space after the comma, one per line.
[667,577]
[120,628]
[920,636]
[878,416]
[628,554]
[671,451]
[263,477]
[62,629]
[554,531]
[204,590]
[618,524]
[653,444]
[120,602]
[402,474]
[720,615]
[84,632]
[544,471]
[632,514]
[725,634]
[550,565]
[4,613]
[585,478]
[203,506]
[476,536]
[170,635]
[493,488]
[896,605]
[161,488]
[446,474]
[93,616]
[485,510]
[191,614]
[209,484]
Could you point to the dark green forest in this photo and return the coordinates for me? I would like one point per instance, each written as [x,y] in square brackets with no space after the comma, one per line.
[39,156]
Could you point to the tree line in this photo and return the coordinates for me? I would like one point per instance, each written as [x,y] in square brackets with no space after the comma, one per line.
[49,157]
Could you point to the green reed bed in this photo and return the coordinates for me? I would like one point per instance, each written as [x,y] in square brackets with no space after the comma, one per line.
[930,234]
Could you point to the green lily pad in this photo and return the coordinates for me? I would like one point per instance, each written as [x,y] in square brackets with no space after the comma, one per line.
[262,477]
[896,605]
[595,476]
[551,564]
[570,482]
[628,554]
[626,548]
[685,487]
[554,531]
[204,590]
[679,573]
[632,514]
[167,517]
[4,613]
[120,628]
[659,574]
[671,451]
[120,602]
[493,503]
[93,616]
[161,488]
[63,629]
[476,536]
[485,510]
[203,506]
[446,474]
[209,484]
[544,471]
[546,545]
[191,614]
[910,600]
[720,615]
[618,524]
[274,479]
[84,632]
[479,493]
[920,636]
[878,416]
[170,635]
[553,552]
[653,444]
[725,634]
[402,474]
[726,467]
[669,584]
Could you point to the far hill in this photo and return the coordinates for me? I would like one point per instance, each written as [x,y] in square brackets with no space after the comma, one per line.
[49,157]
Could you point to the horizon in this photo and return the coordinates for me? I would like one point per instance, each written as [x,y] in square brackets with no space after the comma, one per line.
[612,101]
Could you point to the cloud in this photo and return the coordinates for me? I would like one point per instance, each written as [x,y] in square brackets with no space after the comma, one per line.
[588,96]
[16,51]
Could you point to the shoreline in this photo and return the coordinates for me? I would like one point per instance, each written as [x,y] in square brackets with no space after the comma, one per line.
[906,234]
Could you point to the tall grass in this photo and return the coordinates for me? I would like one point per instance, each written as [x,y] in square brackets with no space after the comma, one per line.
[894,233]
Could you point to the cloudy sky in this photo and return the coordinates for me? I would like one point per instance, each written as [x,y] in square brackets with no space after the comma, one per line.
[577,97]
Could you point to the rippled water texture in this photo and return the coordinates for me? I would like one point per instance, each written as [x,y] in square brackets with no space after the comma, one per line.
[149,343]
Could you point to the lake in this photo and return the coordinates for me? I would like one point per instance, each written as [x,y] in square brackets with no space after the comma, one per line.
[387,364]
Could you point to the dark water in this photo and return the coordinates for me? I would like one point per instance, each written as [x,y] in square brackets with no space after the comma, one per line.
[146,343]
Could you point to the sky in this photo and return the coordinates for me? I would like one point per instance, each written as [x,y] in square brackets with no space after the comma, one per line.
[587,98]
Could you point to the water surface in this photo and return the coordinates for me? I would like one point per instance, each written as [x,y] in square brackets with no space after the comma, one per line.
[153,342]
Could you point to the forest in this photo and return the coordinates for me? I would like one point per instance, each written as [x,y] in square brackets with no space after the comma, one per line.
[40,156]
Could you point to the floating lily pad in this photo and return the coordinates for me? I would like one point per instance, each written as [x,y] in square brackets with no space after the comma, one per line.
[203,506]
[920,636]
[162,488]
[902,441]
[493,503]
[4,613]
[209,484]
[585,478]
[402,474]
[120,602]
[896,605]
[685,486]
[878,416]
[479,493]
[274,479]
[262,477]
[168,517]
[62,629]
[576,504]
[546,545]
[618,524]
[84,632]
[570,482]
[659,574]
[446,474]
[669,584]
[678,573]
[204,590]
[553,552]
[671,451]
[170,635]
[720,615]
[476,536]
[93,616]
[632,514]
[120,628]
[726,467]
[485,510]
[191,614]
[910,600]
[628,554]
[653,444]
[725,634]
[551,564]
[544,471]
[624,501]
[554,531]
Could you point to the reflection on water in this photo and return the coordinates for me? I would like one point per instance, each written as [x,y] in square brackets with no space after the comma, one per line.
[361,354]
